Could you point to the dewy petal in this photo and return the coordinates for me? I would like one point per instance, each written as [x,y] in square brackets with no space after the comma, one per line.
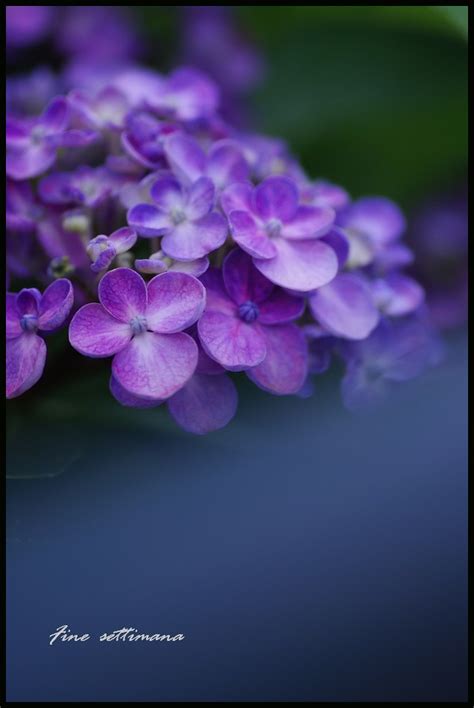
[200,199]
[123,239]
[397,294]
[185,156]
[345,307]
[204,404]
[125,398]
[377,217]
[280,307]
[156,365]
[285,367]
[175,302]
[309,222]
[232,342]
[195,239]
[250,236]
[300,265]
[123,293]
[13,327]
[56,304]
[242,280]
[148,220]
[237,197]
[276,198]
[25,359]
[95,333]
[226,164]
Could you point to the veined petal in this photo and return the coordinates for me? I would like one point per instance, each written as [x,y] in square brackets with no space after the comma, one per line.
[175,302]
[285,367]
[56,304]
[250,236]
[25,359]
[204,404]
[95,333]
[123,294]
[232,342]
[148,220]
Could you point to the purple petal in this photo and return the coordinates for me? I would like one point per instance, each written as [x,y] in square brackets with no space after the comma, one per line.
[300,265]
[237,197]
[125,398]
[204,404]
[339,244]
[397,294]
[276,198]
[55,117]
[175,302]
[185,156]
[104,259]
[74,138]
[195,239]
[308,222]
[167,194]
[250,236]
[156,365]
[393,256]
[242,280]
[25,359]
[188,94]
[30,162]
[55,305]
[285,367]
[196,268]
[200,199]
[329,195]
[123,293]
[13,327]
[95,333]
[226,164]
[57,188]
[217,298]
[377,217]
[345,307]
[27,301]
[280,307]
[232,342]
[123,239]
[148,220]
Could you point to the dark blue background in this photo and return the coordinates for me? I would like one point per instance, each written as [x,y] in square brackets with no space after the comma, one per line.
[305,552]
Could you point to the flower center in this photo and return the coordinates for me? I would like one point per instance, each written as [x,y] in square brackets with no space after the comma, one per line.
[248,311]
[273,227]
[177,216]
[138,324]
[29,323]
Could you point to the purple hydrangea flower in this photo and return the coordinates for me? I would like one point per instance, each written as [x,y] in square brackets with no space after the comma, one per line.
[141,326]
[105,111]
[87,186]
[184,217]
[282,236]
[32,144]
[28,313]
[187,95]
[224,164]
[248,325]
[144,137]
[103,249]
[23,210]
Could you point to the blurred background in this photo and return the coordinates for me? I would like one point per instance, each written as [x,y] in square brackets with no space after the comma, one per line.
[307,553]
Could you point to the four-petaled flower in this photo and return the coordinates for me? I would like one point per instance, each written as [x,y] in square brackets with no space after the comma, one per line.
[29,313]
[141,326]
[103,249]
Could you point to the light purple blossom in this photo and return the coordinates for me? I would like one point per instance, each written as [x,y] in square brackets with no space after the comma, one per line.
[105,111]
[32,144]
[141,326]
[103,249]
[184,217]
[187,95]
[248,325]
[282,236]
[88,186]
[144,137]
[27,314]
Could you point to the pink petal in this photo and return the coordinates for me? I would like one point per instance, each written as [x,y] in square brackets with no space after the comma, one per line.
[300,265]
[123,293]
[232,342]
[204,404]
[156,365]
[25,359]
[175,302]
[95,333]
[285,367]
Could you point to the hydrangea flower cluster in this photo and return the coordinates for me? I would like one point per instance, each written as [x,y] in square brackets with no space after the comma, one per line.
[194,250]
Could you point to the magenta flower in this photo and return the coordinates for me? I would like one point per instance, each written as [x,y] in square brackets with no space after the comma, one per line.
[184,217]
[103,249]
[141,326]
[282,236]
[224,164]
[247,325]
[32,144]
[27,313]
